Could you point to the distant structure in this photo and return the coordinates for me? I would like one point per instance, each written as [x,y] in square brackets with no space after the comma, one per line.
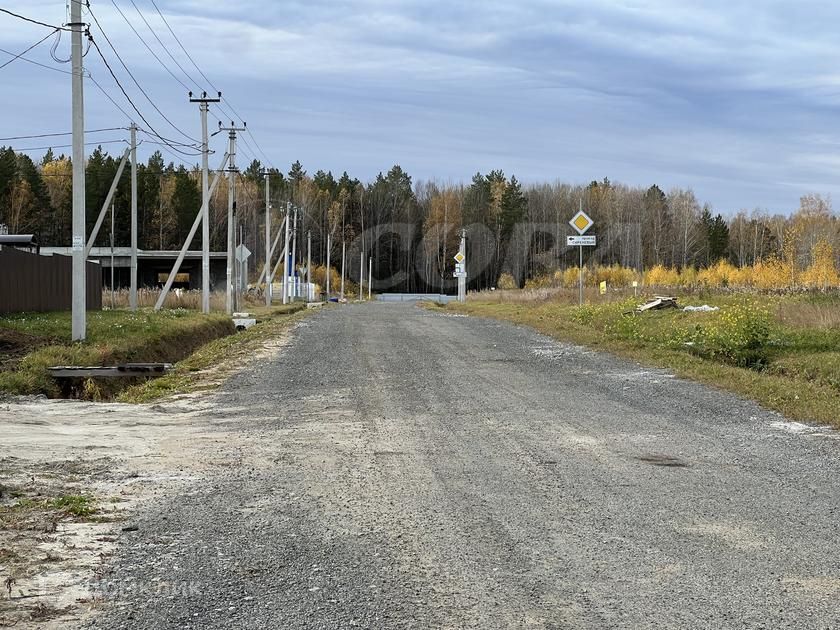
[25,242]
[153,267]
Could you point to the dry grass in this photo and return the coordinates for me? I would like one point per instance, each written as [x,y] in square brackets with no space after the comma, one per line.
[558,295]
[807,314]
[177,298]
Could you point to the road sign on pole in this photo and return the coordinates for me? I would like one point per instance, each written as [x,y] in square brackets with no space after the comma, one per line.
[581,222]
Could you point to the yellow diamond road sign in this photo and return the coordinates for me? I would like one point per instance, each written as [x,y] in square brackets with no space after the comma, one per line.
[459,257]
[581,222]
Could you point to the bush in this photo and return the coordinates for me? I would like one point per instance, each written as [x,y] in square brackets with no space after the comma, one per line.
[739,336]
[506,282]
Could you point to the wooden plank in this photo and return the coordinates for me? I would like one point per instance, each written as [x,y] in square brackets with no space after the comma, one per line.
[126,370]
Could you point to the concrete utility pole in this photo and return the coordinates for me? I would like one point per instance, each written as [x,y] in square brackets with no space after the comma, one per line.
[79,290]
[328,267]
[462,278]
[370,275]
[294,257]
[286,257]
[362,277]
[203,108]
[308,262]
[112,256]
[267,243]
[343,257]
[132,291]
[231,218]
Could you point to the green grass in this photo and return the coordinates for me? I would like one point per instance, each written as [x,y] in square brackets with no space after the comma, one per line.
[112,337]
[79,505]
[223,355]
[783,352]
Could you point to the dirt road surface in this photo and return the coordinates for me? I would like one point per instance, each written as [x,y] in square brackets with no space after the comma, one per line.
[395,467]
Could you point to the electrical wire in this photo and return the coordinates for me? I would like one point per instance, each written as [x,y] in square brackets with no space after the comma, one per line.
[133,106]
[23,17]
[109,97]
[139,87]
[55,47]
[165,48]
[36,63]
[149,48]
[19,55]
[54,135]
[67,146]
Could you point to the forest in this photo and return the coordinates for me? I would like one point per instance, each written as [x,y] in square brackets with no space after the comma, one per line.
[412,229]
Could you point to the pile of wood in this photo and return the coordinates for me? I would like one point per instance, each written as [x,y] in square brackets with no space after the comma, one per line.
[658,302]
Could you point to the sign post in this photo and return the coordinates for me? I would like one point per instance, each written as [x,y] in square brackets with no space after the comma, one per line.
[581,222]
[461,268]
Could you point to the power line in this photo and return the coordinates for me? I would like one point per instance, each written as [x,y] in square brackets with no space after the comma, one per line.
[157,8]
[109,97]
[23,17]
[149,48]
[54,135]
[165,48]
[65,146]
[36,63]
[19,55]
[139,87]
[128,98]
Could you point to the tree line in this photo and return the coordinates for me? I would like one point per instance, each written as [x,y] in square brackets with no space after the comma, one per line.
[412,229]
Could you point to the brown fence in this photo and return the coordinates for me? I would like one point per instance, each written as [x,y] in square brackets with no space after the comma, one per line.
[30,282]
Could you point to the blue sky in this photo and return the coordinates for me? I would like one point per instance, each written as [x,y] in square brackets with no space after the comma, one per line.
[738,100]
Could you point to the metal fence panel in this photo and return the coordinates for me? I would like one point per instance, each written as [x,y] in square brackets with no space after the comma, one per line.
[30,282]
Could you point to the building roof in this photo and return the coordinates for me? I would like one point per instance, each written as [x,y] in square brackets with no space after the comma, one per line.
[18,239]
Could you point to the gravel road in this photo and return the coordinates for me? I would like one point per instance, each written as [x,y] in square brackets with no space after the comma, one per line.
[396,467]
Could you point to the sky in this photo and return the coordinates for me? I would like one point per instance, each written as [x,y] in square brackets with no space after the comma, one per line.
[737,100]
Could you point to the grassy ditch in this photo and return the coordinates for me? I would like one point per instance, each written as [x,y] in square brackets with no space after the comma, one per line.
[782,351]
[37,341]
[212,363]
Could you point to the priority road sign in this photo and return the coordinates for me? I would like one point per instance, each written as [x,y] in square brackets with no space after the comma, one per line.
[581,222]
[459,257]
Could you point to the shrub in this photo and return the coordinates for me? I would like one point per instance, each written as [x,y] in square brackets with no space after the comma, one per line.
[740,336]
[506,282]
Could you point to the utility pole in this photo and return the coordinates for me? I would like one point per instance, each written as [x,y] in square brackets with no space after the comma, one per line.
[328,267]
[231,218]
[267,243]
[343,257]
[370,275]
[203,107]
[462,277]
[286,256]
[79,290]
[294,258]
[112,255]
[308,263]
[132,291]
[362,277]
